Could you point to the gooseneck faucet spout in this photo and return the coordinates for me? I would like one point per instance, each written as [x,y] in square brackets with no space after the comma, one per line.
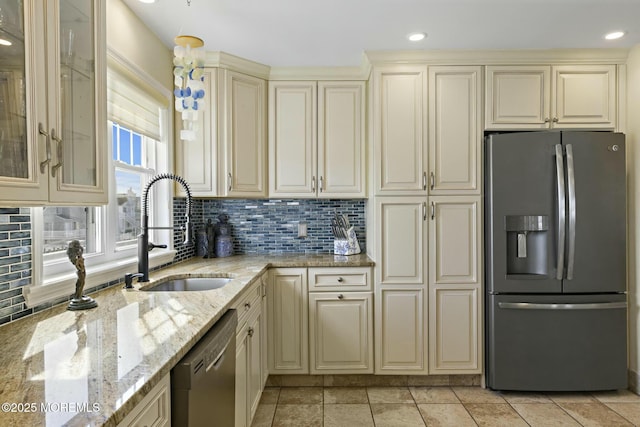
[144,246]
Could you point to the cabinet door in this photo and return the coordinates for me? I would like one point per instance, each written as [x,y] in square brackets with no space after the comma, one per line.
[517,97]
[584,96]
[455,134]
[292,139]
[288,321]
[341,332]
[454,329]
[77,101]
[399,120]
[196,161]
[24,106]
[341,134]
[241,419]
[401,334]
[401,236]
[254,363]
[455,248]
[244,135]
[263,329]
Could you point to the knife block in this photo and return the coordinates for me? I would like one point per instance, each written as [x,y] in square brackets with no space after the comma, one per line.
[348,246]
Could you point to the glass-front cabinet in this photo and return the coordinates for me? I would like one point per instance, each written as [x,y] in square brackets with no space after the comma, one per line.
[52,102]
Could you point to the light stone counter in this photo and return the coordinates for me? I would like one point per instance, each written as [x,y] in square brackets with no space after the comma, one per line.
[90,368]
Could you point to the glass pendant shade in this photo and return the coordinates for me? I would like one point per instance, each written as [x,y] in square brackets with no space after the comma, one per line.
[188,72]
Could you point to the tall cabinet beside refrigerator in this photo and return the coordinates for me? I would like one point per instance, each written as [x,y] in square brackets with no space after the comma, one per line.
[555,233]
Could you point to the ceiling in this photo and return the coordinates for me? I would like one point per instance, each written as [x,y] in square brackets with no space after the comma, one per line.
[282,33]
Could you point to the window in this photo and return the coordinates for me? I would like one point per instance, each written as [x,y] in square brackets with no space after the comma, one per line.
[138,150]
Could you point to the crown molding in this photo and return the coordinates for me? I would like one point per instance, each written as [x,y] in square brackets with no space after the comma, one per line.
[498,57]
[235,63]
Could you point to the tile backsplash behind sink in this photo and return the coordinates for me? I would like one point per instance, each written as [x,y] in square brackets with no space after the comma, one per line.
[257,227]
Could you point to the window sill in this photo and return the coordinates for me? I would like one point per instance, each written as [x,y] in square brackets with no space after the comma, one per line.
[64,285]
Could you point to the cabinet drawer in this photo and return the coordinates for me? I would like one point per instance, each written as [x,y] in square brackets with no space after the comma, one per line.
[248,302]
[340,279]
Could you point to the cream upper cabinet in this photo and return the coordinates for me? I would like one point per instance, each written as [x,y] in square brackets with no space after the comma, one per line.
[228,158]
[54,96]
[243,167]
[455,277]
[341,332]
[197,161]
[401,239]
[288,321]
[316,139]
[455,129]
[542,97]
[399,135]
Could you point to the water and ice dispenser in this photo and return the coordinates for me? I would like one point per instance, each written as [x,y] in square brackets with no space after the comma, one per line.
[527,244]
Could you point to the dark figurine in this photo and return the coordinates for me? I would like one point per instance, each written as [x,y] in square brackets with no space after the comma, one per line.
[79,301]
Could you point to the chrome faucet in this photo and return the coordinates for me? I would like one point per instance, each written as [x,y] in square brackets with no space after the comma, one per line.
[144,246]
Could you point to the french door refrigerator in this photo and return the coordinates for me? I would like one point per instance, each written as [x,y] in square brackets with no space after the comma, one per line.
[555,236]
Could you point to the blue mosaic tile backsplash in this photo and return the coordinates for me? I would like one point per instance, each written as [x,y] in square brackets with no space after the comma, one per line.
[271,226]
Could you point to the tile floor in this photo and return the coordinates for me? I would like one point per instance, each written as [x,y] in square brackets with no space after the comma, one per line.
[441,406]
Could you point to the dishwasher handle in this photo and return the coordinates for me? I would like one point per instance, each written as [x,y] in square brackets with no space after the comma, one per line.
[218,359]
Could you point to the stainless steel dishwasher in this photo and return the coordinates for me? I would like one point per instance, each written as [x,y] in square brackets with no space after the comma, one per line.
[203,384]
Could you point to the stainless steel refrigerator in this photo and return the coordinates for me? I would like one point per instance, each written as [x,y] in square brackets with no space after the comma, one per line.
[555,237]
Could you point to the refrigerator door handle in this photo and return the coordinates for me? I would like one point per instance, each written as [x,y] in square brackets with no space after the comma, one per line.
[536,306]
[571,192]
[561,210]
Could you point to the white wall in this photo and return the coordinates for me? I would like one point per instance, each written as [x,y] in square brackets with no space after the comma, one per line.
[633,171]
[130,38]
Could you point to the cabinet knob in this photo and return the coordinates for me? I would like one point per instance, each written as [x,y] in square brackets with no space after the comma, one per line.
[555,120]
[250,332]
[247,306]
[340,296]
[340,280]
[546,120]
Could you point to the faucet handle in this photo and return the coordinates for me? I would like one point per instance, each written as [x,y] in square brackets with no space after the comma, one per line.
[152,246]
[128,279]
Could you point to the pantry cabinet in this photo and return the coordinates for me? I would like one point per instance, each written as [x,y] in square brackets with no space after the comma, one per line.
[316,139]
[399,118]
[53,92]
[455,129]
[288,321]
[228,157]
[544,97]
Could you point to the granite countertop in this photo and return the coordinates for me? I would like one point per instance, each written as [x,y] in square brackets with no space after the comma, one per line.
[90,368]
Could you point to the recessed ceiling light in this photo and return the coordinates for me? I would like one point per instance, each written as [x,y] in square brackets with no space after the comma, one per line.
[4,42]
[416,37]
[614,35]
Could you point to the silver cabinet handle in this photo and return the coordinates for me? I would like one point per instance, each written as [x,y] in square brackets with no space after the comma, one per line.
[44,163]
[59,153]
[424,211]
[433,211]
[424,180]
[559,306]
[571,193]
[340,296]
[340,280]
[321,184]
[313,184]
[433,180]
[561,212]
[229,181]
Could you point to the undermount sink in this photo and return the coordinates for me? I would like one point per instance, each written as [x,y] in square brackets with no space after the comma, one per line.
[190,284]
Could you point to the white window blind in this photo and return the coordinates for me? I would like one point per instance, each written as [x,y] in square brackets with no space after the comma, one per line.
[133,107]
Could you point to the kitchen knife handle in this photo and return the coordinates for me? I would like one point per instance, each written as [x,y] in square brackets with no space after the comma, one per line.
[571,192]
[561,210]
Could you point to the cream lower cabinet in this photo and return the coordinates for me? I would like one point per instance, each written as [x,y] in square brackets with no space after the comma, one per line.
[455,277]
[288,321]
[154,409]
[249,355]
[543,97]
[340,321]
